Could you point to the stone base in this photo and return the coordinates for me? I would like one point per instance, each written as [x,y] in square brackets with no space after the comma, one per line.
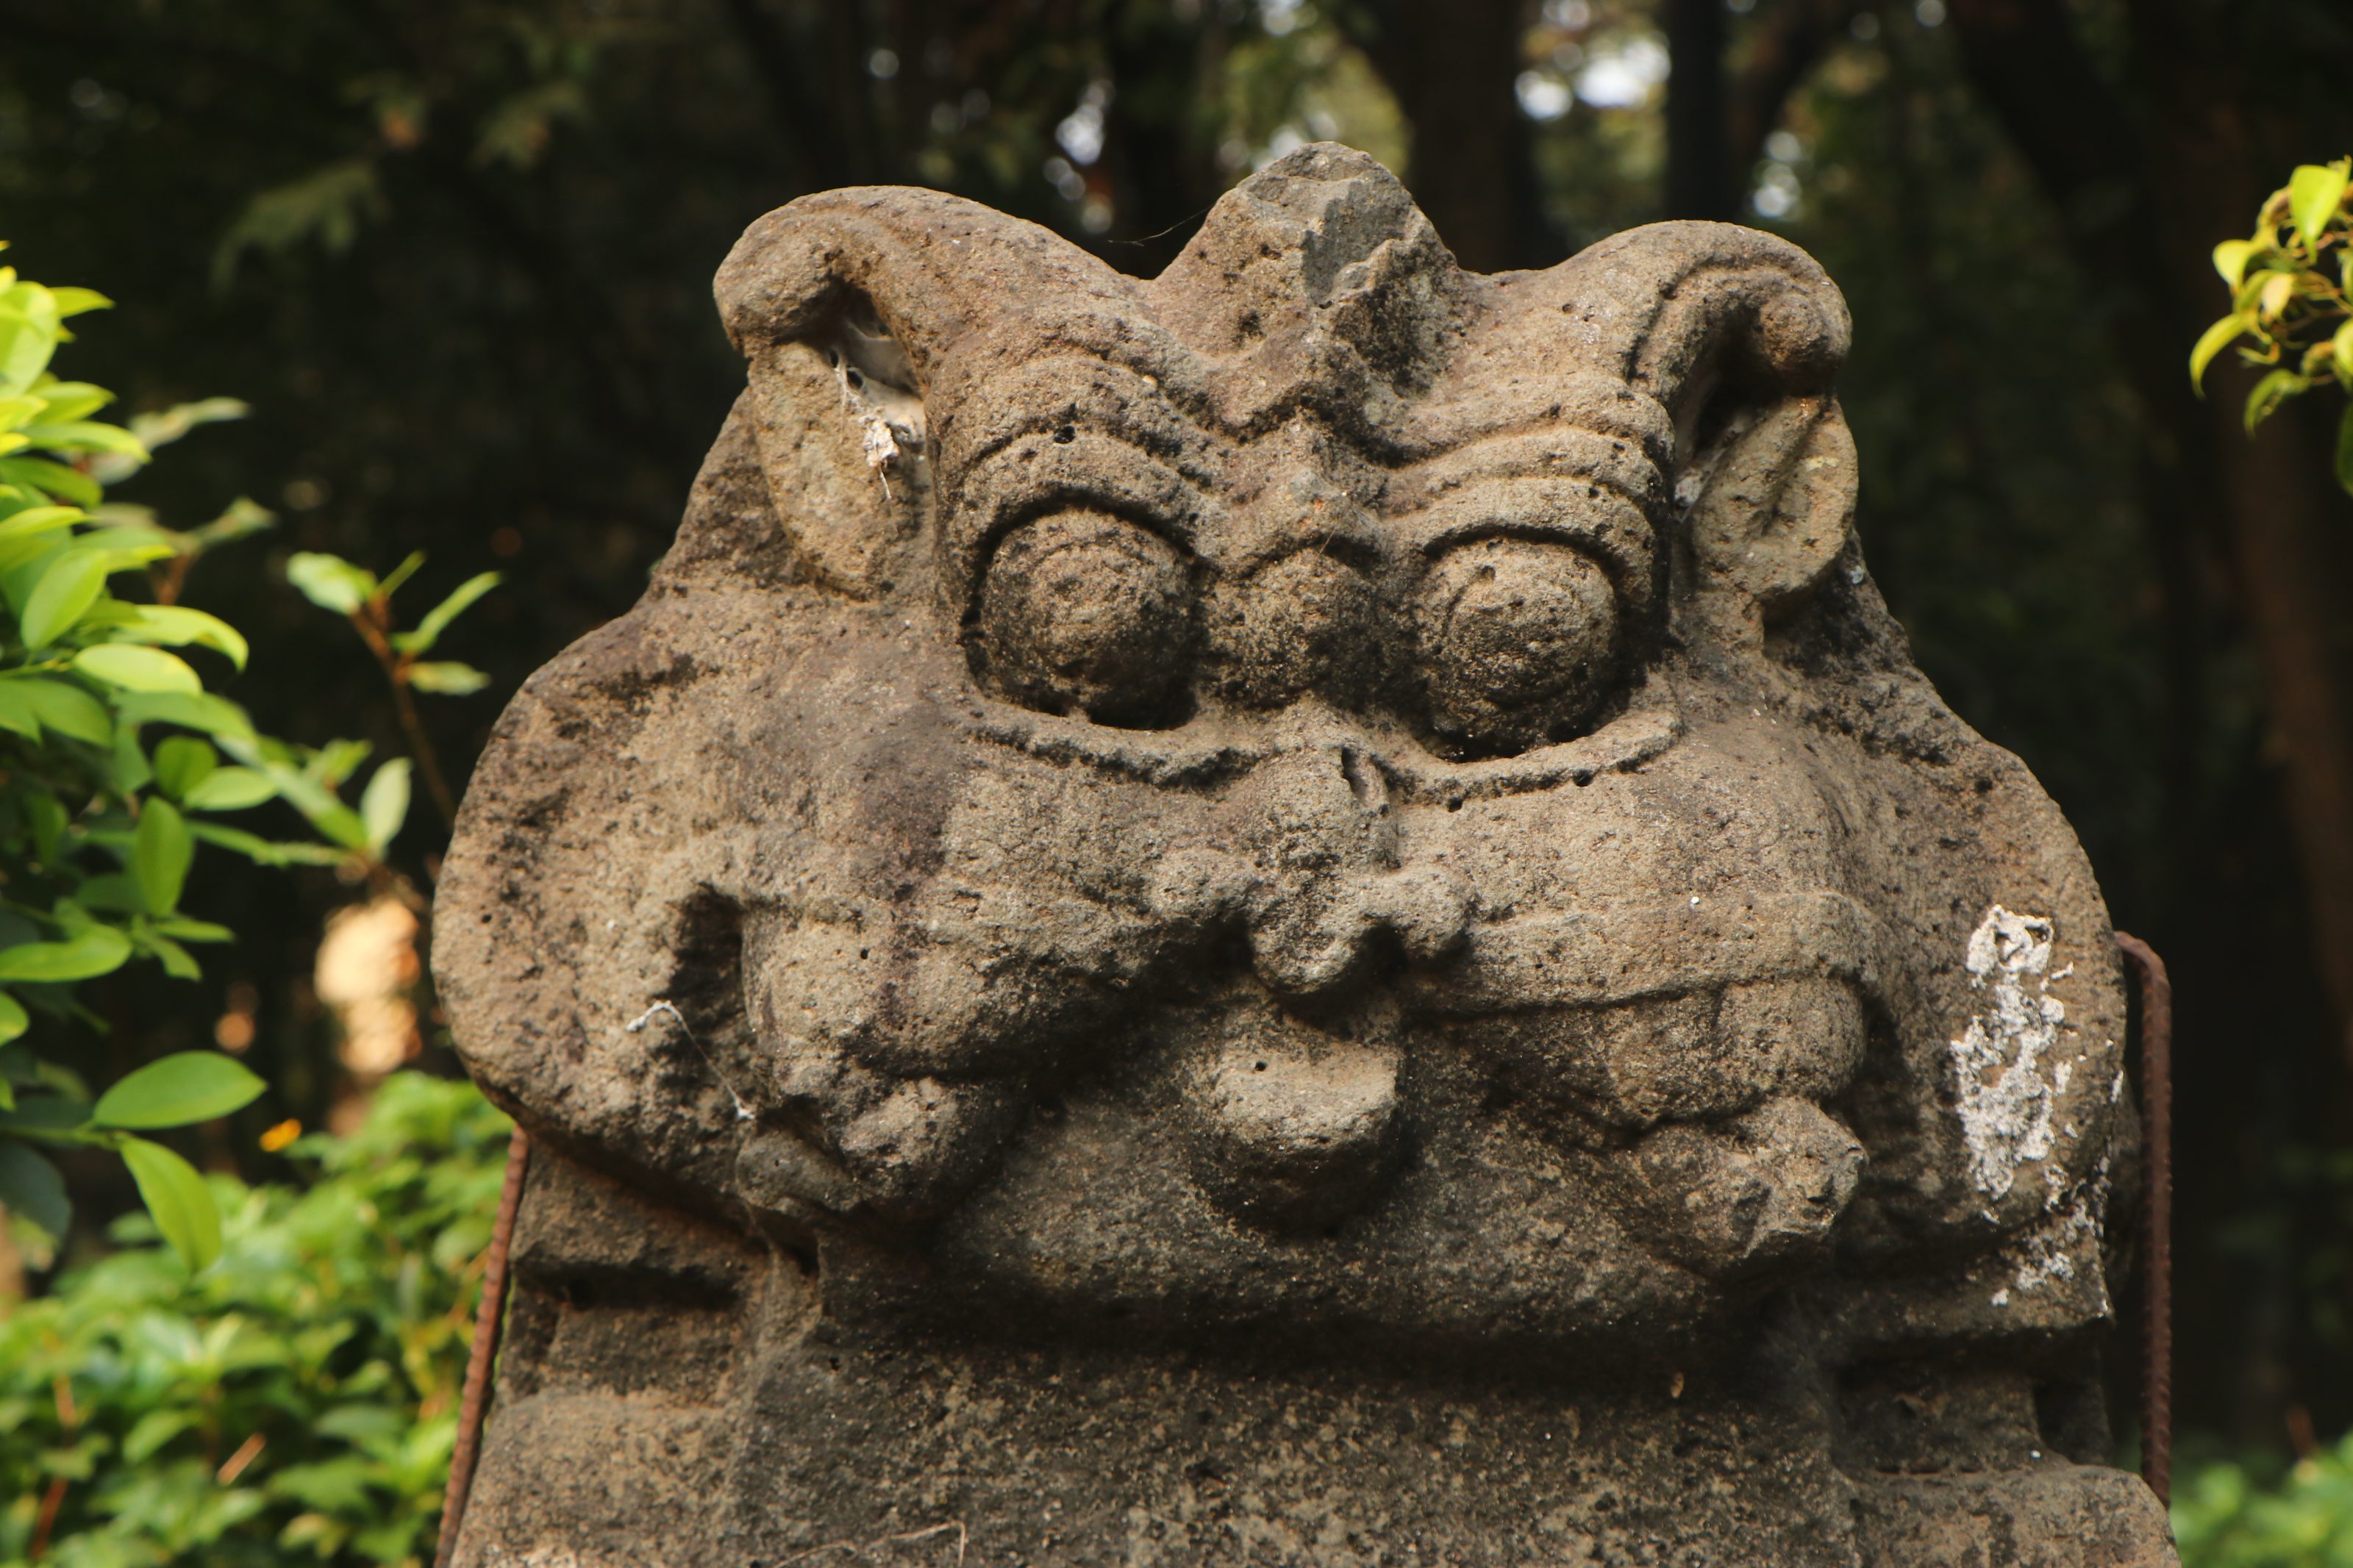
[673,1395]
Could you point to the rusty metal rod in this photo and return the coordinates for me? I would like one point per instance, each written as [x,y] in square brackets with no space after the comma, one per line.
[2157,1214]
[488,1318]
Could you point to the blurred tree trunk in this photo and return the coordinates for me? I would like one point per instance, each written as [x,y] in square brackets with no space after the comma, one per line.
[2143,207]
[1778,51]
[1717,121]
[1698,149]
[1453,67]
[1164,170]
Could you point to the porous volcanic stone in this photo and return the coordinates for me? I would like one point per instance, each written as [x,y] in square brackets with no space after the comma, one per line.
[1304,912]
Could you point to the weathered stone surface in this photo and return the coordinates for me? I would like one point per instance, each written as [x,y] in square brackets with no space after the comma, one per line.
[1305,913]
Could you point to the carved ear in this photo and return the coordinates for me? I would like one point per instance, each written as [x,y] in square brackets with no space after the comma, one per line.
[863,314]
[1774,505]
[1738,335]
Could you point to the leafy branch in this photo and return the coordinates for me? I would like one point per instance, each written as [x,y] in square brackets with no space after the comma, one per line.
[2292,299]
[100,824]
[334,583]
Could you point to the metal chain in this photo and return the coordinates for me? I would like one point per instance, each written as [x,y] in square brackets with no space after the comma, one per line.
[2156,1214]
[488,1318]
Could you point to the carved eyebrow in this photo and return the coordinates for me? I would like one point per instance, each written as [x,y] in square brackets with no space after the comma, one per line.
[1610,459]
[1499,398]
[1044,396]
[1601,522]
[1037,472]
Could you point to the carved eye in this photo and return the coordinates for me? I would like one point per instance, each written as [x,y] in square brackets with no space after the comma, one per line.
[1519,639]
[1084,612]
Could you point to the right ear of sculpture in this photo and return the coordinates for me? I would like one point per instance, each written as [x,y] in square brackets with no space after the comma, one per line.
[1774,509]
[1743,336]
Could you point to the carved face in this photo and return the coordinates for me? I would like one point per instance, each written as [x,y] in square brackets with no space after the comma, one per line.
[1318,792]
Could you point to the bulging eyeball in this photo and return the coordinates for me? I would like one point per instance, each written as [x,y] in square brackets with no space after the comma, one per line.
[1519,641]
[1088,613]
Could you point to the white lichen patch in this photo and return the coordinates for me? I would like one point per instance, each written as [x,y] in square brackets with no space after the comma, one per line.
[2055,1250]
[2001,1091]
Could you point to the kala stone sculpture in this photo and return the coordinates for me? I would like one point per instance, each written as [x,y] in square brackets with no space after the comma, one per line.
[1304,912]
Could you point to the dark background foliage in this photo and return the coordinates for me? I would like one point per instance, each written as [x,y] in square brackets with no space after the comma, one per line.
[457,255]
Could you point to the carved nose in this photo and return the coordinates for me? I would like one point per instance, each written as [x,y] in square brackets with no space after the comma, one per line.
[1312,877]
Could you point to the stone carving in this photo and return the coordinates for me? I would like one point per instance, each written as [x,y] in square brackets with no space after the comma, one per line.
[1301,912]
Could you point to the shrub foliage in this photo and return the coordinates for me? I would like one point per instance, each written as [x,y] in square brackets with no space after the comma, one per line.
[294,1402]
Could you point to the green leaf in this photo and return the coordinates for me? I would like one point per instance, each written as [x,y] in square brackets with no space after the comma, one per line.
[52,478]
[184,1088]
[186,929]
[178,1199]
[243,516]
[152,1430]
[74,302]
[115,893]
[65,708]
[178,626]
[31,1187]
[338,1485]
[69,400]
[264,852]
[2344,449]
[160,855]
[126,547]
[383,804]
[137,669]
[437,620]
[215,716]
[448,680]
[51,1117]
[177,961]
[13,1019]
[16,713]
[2213,341]
[88,436]
[95,950]
[2314,192]
[128,768]
[70,586]
[2269,392]
[182,763]
[163,429]
[2231,259]
[228,789]
[330,582]
[36,520]
[25,349]
[336,761]
[401,574]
